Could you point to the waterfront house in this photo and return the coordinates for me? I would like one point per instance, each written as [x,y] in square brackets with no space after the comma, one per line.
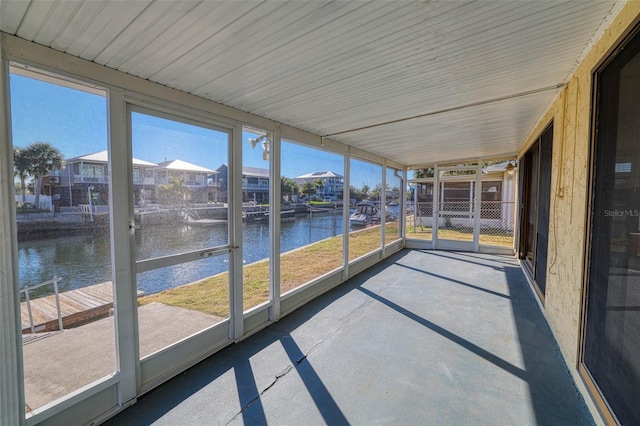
[255,183]
[330,184]
[192,176]
[89,174]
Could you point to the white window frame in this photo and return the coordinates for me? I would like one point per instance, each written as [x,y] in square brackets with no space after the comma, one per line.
[133,377]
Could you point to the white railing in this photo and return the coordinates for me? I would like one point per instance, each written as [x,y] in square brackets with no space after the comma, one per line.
[142,180]
[90,179]
[255,186]
[26,290]
[189,182]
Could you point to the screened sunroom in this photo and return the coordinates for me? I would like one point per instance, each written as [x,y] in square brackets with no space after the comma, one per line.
[151,215]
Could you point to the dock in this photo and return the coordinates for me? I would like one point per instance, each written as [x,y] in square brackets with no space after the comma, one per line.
[206,222]
[77,307]
[322,208]
[263,215]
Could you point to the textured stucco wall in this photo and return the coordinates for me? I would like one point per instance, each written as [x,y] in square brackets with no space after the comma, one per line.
[571,115]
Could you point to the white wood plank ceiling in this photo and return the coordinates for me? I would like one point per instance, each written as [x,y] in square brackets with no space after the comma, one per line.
[476,74]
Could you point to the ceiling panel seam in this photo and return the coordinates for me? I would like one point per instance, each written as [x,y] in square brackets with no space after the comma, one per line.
[459,107]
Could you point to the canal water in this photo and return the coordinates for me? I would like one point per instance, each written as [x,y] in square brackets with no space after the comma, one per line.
[83,260]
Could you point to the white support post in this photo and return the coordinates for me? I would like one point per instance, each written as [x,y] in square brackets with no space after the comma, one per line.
[402,220]
[346,200]
[402,208]
[12,402]
[275,198]
[383,208]
[476,207]
[234,179]
[417,210]
[123,270]
[435,221]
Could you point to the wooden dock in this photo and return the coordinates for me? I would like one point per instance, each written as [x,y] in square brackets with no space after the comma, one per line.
[206,222]
[78,307]
[263,215]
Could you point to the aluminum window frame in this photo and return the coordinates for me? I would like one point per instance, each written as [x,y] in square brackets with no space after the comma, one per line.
[101,400]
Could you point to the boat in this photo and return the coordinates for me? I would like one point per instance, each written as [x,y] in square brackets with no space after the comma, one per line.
[366,214]
[253,215]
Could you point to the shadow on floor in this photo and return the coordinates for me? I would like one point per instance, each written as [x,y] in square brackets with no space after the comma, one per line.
[496,328]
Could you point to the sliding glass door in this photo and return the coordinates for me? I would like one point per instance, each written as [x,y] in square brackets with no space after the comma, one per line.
[610,359]
[535,188]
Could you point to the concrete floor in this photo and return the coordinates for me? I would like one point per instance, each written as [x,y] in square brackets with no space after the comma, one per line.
[425,337]
[63,362]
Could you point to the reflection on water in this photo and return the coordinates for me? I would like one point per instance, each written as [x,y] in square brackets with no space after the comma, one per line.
[83,260]
[79,260]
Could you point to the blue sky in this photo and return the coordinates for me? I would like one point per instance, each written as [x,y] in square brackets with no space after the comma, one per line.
[75,122]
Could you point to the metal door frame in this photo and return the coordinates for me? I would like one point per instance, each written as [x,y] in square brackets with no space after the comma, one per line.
[153,369]
[447,244]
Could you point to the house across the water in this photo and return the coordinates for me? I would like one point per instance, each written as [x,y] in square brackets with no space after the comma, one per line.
[255,183]
[88,175]
[329,184]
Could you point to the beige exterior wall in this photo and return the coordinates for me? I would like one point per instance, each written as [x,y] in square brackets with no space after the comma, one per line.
[571,115]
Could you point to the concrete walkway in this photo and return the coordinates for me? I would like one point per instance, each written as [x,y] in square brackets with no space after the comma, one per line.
[425,337]
[63,362]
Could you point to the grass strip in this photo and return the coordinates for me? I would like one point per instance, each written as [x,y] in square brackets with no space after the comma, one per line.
[211,295]
[297,267]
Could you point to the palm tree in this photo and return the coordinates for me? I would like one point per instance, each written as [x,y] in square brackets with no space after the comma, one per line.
[43,159]
[354,194]
[319,184]
[365,191]
[21,167]
[376,192]
[309,189]
[175,192]
[288,187]
[423,173]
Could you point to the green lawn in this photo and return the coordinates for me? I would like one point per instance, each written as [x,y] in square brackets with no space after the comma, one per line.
[297,267]
[488,236]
